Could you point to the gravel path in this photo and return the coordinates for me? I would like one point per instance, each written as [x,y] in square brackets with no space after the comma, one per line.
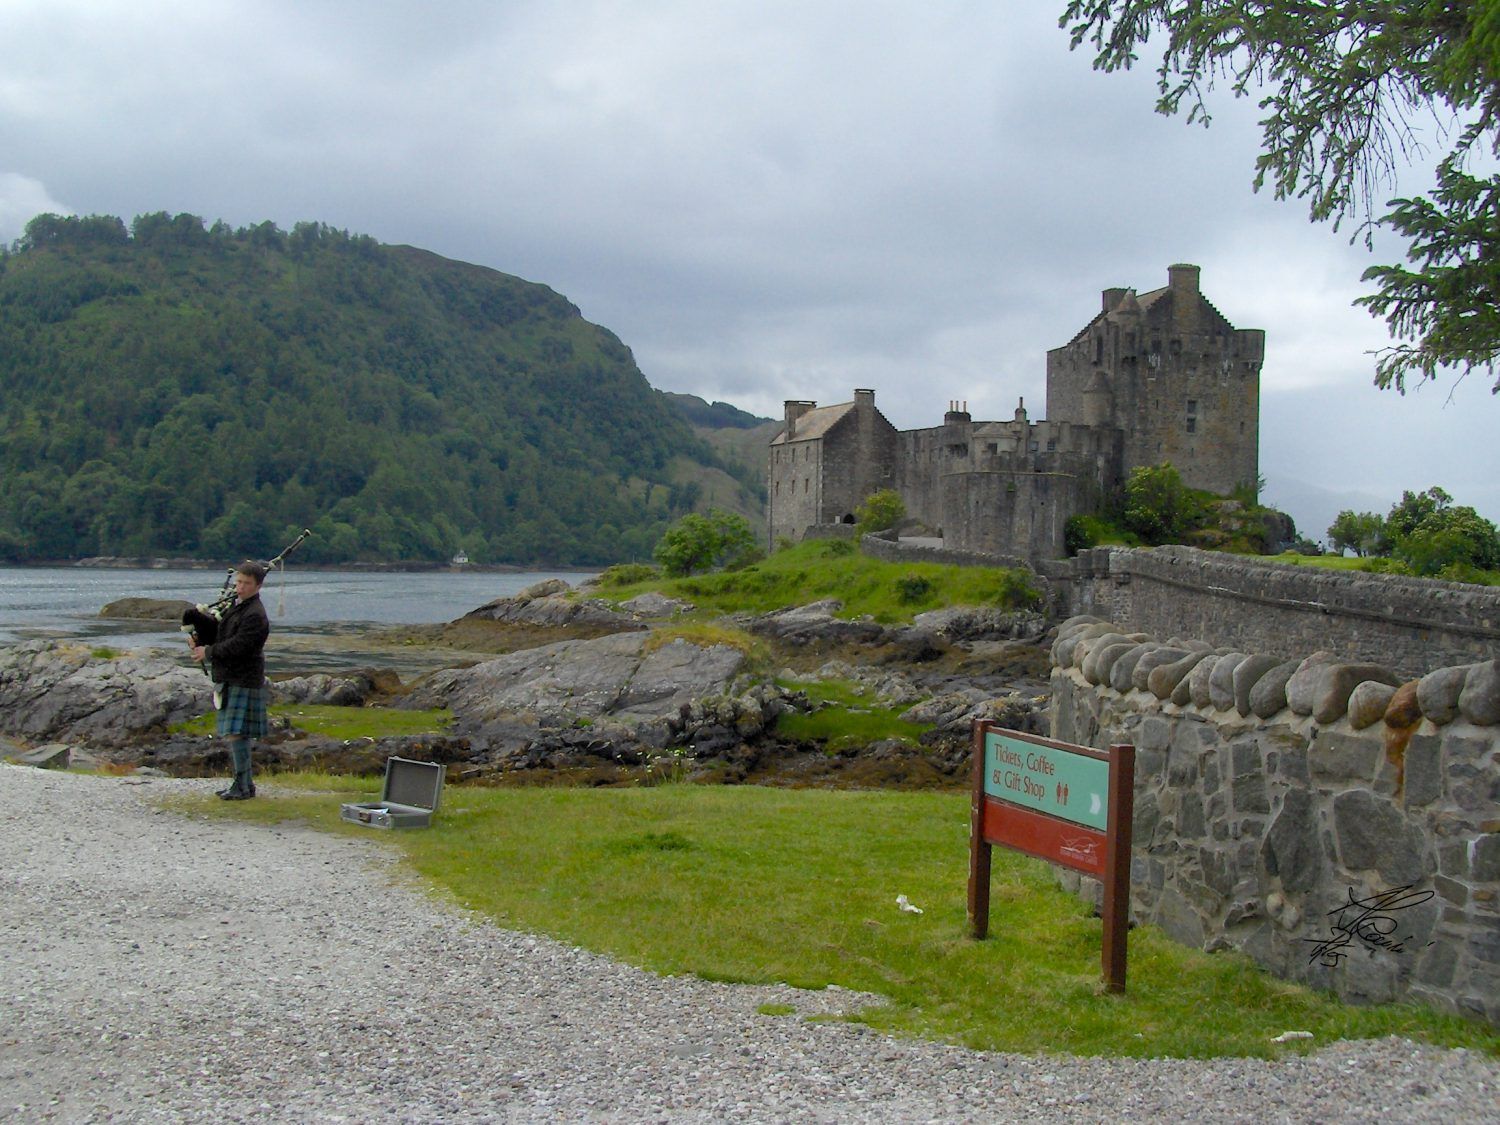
[158,967]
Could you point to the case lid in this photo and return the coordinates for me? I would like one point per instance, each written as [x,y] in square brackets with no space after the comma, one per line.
[418,784]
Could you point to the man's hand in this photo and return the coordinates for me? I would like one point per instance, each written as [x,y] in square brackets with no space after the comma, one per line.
[200,654]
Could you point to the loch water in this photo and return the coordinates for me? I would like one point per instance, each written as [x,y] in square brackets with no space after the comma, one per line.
[317,614]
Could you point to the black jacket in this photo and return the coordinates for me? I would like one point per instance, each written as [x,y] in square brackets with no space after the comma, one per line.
[236,643]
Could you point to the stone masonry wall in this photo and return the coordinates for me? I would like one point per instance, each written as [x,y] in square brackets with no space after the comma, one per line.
[1338,823]
[1408,624]
[893,550]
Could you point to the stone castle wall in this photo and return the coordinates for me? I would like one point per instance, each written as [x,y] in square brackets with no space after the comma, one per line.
[1022,513]
[1340,827]
[858,459]
[1408,624]
[794,488]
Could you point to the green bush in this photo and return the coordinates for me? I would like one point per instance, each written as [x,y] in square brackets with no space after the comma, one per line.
[696,543]
[880,510]
[1159,507]
[628,574]
[913,588]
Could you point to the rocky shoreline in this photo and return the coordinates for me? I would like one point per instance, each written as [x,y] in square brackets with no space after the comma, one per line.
[578,691]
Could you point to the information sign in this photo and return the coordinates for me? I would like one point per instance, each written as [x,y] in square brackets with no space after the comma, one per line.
[1056,781]
[1068,804]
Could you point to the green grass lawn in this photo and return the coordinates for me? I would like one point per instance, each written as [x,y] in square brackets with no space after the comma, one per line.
[761,885]
[1370,566]
[808,572]
[851,717]
[340,722]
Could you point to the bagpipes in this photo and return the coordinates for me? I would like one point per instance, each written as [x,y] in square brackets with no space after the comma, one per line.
[201,622]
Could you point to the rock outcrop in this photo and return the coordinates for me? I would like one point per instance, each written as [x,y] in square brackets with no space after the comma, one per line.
[623,698]
[55,691]
[147,609]
[547,605]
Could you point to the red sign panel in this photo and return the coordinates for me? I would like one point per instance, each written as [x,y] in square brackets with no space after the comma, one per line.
[1046,837]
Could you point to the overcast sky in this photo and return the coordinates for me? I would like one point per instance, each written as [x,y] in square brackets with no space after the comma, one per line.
[764,199]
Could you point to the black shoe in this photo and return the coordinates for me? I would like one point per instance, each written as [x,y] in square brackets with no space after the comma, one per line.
[223,792]
[237,795]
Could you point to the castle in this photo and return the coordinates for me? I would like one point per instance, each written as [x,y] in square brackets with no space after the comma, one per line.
[1154,377]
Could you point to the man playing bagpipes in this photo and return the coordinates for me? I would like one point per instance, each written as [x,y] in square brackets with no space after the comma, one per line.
[232,647]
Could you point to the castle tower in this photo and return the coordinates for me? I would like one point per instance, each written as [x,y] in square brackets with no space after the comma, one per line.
[1183,383]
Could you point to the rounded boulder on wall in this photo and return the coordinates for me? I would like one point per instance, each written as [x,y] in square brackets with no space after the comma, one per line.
[1320,686]
[1479,702]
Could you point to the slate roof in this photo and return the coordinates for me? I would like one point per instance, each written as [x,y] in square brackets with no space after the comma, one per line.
[815,423]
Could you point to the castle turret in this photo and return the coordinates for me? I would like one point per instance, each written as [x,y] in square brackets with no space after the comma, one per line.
[1098,401]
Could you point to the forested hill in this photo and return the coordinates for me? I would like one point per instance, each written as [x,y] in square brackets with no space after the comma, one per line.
[171,389]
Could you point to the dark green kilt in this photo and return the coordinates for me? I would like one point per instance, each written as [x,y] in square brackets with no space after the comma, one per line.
[243,713]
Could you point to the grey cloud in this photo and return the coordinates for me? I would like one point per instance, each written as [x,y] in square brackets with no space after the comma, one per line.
[764,200]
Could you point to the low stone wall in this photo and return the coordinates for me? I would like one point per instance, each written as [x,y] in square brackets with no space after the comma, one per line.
[1409,624]
[891,550]
[829,531]
[1334,821]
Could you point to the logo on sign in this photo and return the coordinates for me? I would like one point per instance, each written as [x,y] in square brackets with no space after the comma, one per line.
[1084,849]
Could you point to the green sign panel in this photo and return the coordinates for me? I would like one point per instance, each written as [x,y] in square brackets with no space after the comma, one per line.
[1074,787]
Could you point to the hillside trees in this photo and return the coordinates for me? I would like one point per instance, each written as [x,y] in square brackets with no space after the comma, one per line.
[176,389]
[1350,92]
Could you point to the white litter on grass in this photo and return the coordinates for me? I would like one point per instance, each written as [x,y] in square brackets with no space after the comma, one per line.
[1288,1036]
[904,904]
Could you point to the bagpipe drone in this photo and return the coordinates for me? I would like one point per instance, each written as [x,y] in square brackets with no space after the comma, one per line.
[201,622]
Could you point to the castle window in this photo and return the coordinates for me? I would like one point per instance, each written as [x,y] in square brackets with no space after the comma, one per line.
[1098,349]
[993,447]
[1176,347]
[1192,424]
[1052,445]
[1192,406]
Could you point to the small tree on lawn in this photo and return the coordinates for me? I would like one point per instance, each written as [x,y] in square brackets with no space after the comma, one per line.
[696,543]
[879,511]
[1363,533]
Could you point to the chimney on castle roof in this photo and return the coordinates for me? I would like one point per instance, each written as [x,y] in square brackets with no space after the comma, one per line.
[1113,297]
[1183,278]
[795,408]
[864,399]
[957,412]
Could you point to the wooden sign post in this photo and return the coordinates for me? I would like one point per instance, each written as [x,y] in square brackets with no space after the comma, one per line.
[1068,804]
